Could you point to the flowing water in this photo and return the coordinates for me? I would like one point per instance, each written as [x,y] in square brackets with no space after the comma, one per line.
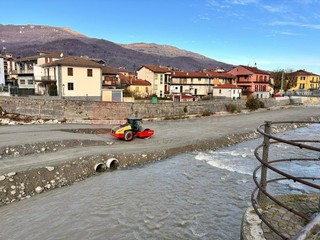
[200,195]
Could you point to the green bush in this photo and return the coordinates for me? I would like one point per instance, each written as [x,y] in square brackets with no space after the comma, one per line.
[261,104]
[52,90]
[232,108]
[253,104]
[206,113]
[127,93]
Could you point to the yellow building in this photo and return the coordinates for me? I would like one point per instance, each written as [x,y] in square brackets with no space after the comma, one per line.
[305,80]
[77,77]
[158,76]
[140,88]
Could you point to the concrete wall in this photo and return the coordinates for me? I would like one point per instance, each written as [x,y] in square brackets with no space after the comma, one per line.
[96,110]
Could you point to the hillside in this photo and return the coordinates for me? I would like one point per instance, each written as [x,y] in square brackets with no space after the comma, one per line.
[27,40]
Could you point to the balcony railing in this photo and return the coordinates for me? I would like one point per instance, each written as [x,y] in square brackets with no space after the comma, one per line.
[46,78]
[265,203]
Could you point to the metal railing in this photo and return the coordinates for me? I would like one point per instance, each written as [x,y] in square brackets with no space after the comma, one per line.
[261,197]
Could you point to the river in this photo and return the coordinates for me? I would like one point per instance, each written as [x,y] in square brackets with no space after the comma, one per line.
[199,195]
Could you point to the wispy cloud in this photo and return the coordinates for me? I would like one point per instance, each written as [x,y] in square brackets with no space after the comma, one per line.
[276,9]
[306,2]
[204,17]
[287,33]
[242,2]
[296,24]
[230,3]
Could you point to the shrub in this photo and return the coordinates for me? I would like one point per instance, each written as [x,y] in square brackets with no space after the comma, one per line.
[253,104]
[127,93]
[52,90]
[232,108]
[261,104]
[206,113]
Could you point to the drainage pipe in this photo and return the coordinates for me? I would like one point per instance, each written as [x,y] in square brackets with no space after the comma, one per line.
[100,167]
[112,163]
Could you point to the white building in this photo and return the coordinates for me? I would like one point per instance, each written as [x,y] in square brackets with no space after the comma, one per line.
[2,77]
[227,90]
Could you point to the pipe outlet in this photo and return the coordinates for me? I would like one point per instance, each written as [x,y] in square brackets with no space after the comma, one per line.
[100,167]
[112,163]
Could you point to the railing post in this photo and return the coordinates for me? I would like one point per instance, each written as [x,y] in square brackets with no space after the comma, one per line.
[262,198]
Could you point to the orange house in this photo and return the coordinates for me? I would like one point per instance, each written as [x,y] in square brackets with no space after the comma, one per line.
[254,82]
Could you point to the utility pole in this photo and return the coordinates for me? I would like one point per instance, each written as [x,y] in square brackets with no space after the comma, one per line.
[282,76]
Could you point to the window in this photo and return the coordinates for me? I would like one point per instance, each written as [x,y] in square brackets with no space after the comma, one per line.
[70,71]
[89,72]
[70,86]
[30,82]
[301,86]
[160,93]
[22,81]
[303,78]
[219,90]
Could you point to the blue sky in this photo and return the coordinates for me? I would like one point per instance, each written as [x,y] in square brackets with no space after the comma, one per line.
[274,34]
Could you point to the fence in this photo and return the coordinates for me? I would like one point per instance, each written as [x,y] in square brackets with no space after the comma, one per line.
[262,198]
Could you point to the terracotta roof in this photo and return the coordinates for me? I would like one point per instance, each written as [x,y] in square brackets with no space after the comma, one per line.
[214,74]
[182,96]
[157,69]
[302,73]
[255,70]
[74,62]
[227,86]
[182,74]
[140,82]
[202,74]
[109,70]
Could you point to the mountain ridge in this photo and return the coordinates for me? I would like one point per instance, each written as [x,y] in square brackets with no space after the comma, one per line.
[26,40]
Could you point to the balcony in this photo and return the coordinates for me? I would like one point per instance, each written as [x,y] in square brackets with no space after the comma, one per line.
[47,79]
[23,71]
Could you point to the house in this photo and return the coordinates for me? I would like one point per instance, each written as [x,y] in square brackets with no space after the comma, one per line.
[158,76]
[25,75]
[220,77]
[43,78]
[227,91]
[110,78]
[76,77]
[2,76]
[305,80]
[192,83]
[9,70]
[254,82]
[140,88]
[31,76]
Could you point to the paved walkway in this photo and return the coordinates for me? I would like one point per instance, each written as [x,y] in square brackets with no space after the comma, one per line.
[285,221]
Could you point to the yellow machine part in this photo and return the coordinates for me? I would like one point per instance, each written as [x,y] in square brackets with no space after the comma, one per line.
[123,129]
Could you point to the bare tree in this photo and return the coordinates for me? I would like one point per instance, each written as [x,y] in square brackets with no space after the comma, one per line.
[283,78]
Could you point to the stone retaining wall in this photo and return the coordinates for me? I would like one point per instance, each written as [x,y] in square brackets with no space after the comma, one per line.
[62,109]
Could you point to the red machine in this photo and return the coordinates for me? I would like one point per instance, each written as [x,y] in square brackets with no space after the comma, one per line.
[130,129]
